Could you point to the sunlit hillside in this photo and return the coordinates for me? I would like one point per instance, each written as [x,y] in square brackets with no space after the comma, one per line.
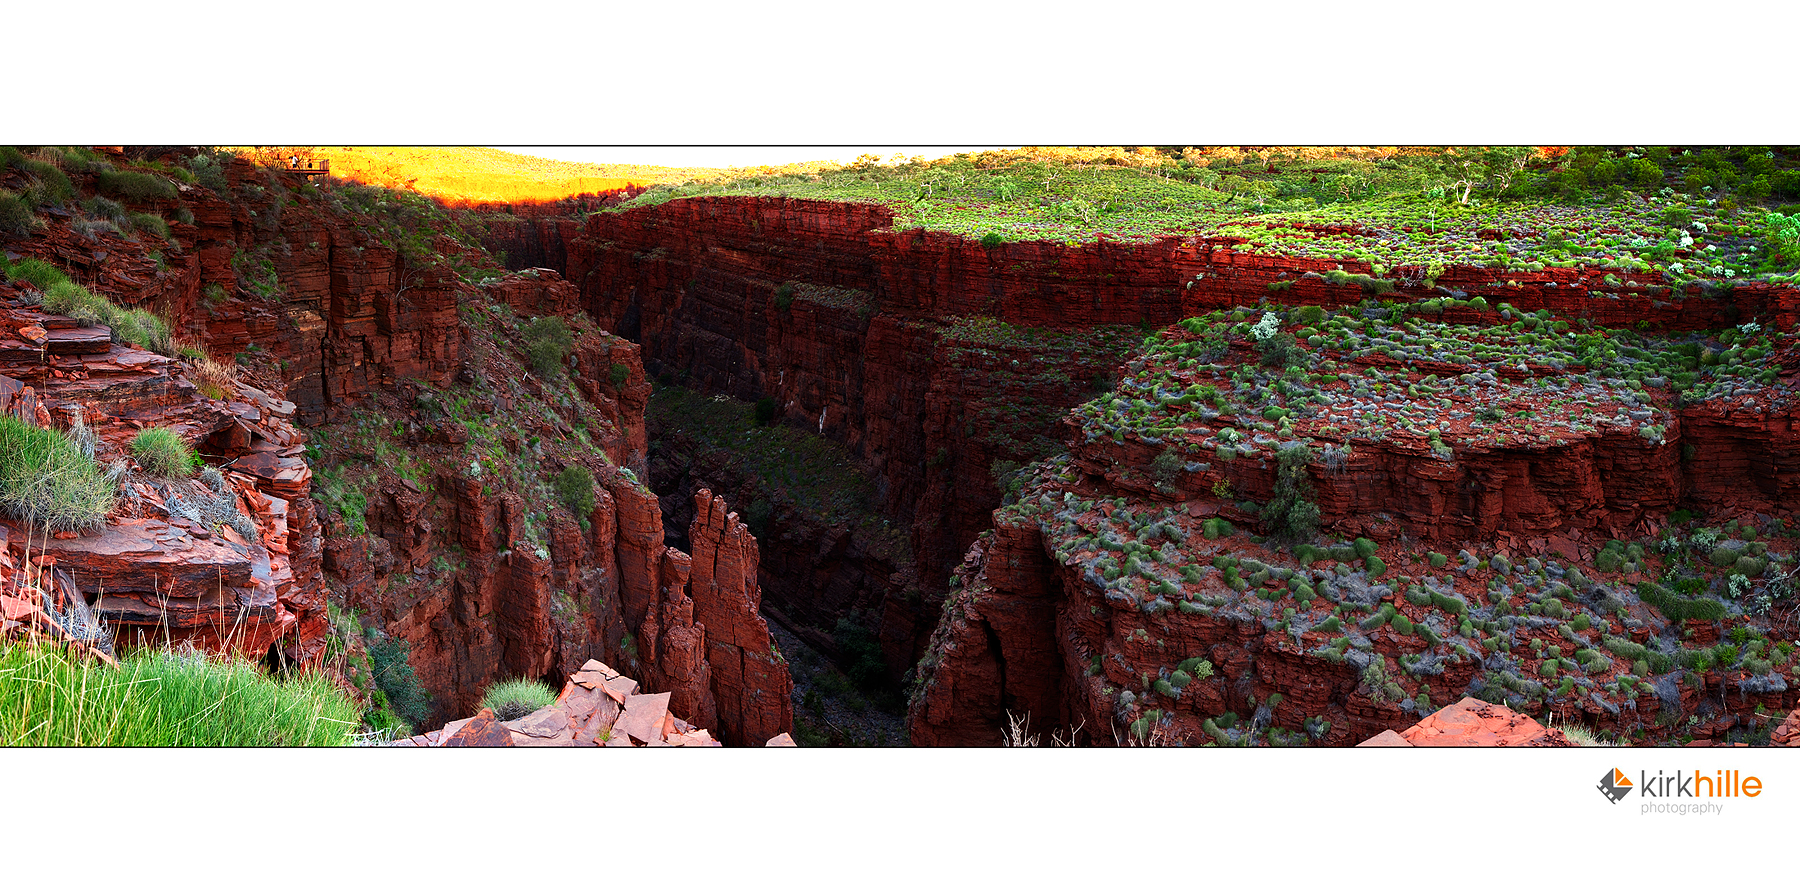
[479,174]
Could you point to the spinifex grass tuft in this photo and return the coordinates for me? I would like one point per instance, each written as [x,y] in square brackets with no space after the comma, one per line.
[517,697]
[45,479]
[162,699]
[162,453]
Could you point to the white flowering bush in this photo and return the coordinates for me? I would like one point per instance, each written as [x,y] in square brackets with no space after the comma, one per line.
[1265,328]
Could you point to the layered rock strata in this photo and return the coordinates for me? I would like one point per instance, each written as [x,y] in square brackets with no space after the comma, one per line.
[1117,594]
[840,318]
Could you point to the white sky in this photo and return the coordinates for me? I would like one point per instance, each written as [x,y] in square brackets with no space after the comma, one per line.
[730,156]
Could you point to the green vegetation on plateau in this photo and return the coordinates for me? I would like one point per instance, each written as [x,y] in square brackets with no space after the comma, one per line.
[1708,213]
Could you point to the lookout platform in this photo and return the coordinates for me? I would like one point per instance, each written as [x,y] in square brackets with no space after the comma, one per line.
[306,167]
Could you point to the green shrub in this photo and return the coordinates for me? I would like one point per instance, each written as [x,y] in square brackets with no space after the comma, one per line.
[765,411]
[618,375]
[15,214]
[1290,513]
[388,657]
[1165,470]
[1279,351]
[992,240]
[1781,234]
[575,489]
[1437,559]
[548,342]
[784,296]
[1213,528]
[1402,625]
[1363,546]
[208,170]
[162,453]
[46,479]
[516,698]
[1375,565]
[1197,667]
[136,186]
[1609,561]
[163,699]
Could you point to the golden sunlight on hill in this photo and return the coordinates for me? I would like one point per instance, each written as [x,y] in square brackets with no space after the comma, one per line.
[478,174]
[474,174]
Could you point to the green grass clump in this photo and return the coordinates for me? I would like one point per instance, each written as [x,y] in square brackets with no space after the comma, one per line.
[163,699]
[1680,609]
[548,341]
[136,186]
[15,214]
[105,208]
[575,489]
[45,479]
[139,327]
[151,224]
[516,698]
[162,452]
[41,274]
[73,301]
[53,186]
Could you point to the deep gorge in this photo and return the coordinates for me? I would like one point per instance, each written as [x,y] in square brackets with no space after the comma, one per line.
[789,409]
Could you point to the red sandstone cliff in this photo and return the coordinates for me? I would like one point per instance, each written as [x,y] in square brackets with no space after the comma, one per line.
[860,353]
[1030,627]
[306,287]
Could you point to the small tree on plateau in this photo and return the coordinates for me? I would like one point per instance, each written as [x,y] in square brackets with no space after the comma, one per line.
[1503,164]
